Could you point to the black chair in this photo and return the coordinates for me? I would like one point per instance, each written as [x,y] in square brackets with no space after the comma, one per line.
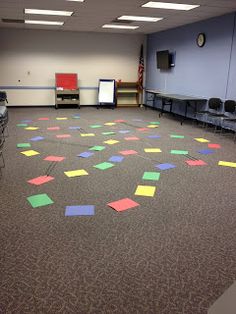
[228,121]
[214,105]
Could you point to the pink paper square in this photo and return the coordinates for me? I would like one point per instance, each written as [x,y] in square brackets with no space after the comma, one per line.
[43,119]
[128,152]
[214,146]
[119,121]
[195,162]
[132,138]
[123,204]
[40,180]
[54,158]
[143,129]
[53,128]
[63,135]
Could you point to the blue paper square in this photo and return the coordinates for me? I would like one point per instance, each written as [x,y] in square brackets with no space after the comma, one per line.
[37,138]
[116,158]
[85,154]
[82,210]
[165,166]
[74,127]
[153,136]
[206,151]
[26,121]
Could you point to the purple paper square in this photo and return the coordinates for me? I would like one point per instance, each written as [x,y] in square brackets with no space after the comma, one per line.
[26,121]
[165,166]
[116,158]
[74,127]
[206,151]
[85,154]
[37,138]
[82,210]
[153,136]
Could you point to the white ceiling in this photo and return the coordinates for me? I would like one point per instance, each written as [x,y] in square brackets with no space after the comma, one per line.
[89,16]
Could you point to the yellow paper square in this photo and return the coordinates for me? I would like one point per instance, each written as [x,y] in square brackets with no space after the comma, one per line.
[110,123]
[76,173]
[201,140]
[152,126]
[152,150]
[32,128]
[87,134]
[30,153]
[227,164]
[61,118]
[111,142]
[145,190]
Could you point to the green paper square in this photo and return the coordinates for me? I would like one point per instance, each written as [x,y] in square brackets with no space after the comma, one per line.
[155,122]
[95,126]
[108,133]
[176,136]
[22,124]
[155,176]
[99,148]
[104,165]
[39,200]
[23,145]
[179,152]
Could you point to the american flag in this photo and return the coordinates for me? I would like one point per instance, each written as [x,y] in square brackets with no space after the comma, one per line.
[141,69]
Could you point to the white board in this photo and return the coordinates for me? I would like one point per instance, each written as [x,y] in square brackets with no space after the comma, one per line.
[106,91]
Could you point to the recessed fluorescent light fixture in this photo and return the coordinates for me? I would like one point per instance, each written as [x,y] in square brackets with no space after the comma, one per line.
[43,22]
[170,6]
[48,12]
[139,18]
[76,0]
[119,26]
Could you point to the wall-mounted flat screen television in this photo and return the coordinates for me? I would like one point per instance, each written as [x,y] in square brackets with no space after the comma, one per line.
[163,60]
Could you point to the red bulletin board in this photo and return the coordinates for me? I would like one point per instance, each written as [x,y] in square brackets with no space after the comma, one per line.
[66,80]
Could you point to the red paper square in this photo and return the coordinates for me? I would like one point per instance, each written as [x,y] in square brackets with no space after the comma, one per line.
[40,180]
[63,135]
[128,152]
[196,163]
[53,128]
[123,204]
[132,138]
[214,146]
[143,129]
[54,158]
[43,119]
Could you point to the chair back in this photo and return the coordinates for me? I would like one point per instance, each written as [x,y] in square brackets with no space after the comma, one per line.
[214,103]
[230,106]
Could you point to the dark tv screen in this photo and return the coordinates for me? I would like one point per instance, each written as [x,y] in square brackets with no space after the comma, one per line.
[163,59]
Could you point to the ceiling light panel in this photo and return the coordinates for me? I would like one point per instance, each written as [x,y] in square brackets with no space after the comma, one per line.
[53,23]
[76,0]
[119,26]
[48,12]
[139,18]
[170,6]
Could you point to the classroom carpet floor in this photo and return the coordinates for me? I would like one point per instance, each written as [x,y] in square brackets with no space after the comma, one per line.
[68,251]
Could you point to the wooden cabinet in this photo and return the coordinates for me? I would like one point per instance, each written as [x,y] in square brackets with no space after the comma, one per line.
[67,97]
[127,94]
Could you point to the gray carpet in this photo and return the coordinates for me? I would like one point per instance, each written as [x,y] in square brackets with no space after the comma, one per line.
[173,254]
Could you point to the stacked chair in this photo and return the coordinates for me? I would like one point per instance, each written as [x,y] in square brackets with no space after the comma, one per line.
[3,125]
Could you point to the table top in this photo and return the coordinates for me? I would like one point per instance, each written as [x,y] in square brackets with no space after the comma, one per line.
[174,96]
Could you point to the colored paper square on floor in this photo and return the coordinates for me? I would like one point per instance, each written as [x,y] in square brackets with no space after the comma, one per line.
[128,152]
[43,119]
[85,154]
[76,116]
[95,126]
[23,125]
[23,145]
[62,118]
[111,142]
[165,166]
[138,120]
[53,128]
[176,136]
[26,121]
[40,180]
[30,153]
[132,138]
[74,128]
[119,121]
[155,122]
[227,164]
[206,151]
[143,129]
[31,128]
[108,133]
[123,204]
[116,158]
[155,176]
[179,152]
[97,148]
[76,173]
[63,135]
[124,131]
[54,158]
[87,134]
[152,150]
[37,138]
[215,146]
[201,140]
[153,136]
[145,190]
[80,210]
[110,123]
[104,165]
[152,126]
[39,200]
[195,162]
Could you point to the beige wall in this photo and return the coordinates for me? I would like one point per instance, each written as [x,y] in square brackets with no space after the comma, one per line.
[30,58]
